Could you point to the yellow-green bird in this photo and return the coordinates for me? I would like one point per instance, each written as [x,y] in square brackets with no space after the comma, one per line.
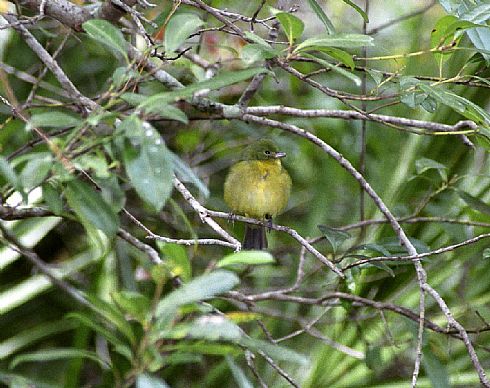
[258,186]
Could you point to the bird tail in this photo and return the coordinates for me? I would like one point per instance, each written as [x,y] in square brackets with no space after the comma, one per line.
[255,238]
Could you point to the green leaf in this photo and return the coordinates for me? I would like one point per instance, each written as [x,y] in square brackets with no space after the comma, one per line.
[373,357]
[113,315]
[176,259]
[221,80]
[186,174]
[238,374]
[435,370]
[322,16]
[338,40]
[105,33]
[147,161]
[29,336]
[200,288]
[383,266]
[253,53]
[347,74]
[358,9]
[486,254]
[179,28]
[52,197]
[337,54]
[36,169]
[109,335]
[334,236]
[246,258]
[7,171]
[424,164]
[474,203]
[276,352]
[146,380]
[460,104]
[90,207]
[292,26]
[211,328]
[133,303]
[53,119]
[166,111]
[257,39]
[58,354]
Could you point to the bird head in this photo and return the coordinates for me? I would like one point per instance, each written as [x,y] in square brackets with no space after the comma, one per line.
[263,149]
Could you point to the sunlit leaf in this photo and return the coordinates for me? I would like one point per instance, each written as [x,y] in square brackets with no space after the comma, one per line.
[179,28]
[246,258]
[105,33]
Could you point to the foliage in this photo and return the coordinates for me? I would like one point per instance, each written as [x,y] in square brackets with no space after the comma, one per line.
[114,145]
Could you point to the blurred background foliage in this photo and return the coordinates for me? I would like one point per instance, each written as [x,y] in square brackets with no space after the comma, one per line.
[149,329]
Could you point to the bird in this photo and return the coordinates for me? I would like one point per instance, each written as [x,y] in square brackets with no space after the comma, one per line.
[258,186]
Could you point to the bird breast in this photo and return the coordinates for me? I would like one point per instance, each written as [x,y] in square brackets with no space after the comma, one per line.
[257,188]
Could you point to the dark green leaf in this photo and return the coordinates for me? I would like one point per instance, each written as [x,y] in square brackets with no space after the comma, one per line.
[219,81]
[53,119]
[90,207]
[238,374]
[246,258]
[358,10]
[274,351]
[186,174]
[119,346]
[179,28]
[57,354]
[322,16]
[435,370]
[148,163]
[334,236]
[424,164]
[474,203]
[292,26]
[52,197]
[347,74]
[373,357]
[105,33]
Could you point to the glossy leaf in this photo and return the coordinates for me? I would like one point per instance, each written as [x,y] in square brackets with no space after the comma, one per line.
[200,288]
[147,161]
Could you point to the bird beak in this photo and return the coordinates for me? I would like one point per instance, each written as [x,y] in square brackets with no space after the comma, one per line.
[280,155]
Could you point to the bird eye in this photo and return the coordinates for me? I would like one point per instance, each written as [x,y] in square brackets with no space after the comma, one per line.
[267,152]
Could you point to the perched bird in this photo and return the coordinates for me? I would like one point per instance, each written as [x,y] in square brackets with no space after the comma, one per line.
[258,186]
